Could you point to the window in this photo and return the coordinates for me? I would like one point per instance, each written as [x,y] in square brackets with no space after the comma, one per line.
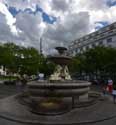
[115,25]
[100,31]
[93,45]
[86,37]
[111,31]
[81,49]
[112,27]
[110,45]
[109,40]
[93,34]
[87,47]
[107,28]
[100,43]
[78,50]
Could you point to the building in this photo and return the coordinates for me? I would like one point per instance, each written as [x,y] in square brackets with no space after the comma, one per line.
[106,36]
[2,71]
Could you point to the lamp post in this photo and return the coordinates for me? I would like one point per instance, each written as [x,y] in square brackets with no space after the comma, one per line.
[41,52]
[18,57]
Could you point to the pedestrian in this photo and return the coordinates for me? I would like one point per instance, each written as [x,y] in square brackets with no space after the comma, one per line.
[114,95]
[18,84]
[104,90]
[41,76]
[104,87]
[24,82]
[110,85]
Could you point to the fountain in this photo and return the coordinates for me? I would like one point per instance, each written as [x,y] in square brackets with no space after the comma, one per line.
[59,91]
[56,101]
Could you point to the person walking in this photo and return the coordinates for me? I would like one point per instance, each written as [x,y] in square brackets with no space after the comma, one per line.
[104,86]
[114,95]
[104,90]
[24,83]
[18,84]
[110,86]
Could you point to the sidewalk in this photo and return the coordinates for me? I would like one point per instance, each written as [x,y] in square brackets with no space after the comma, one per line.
[1,81]
[98,88]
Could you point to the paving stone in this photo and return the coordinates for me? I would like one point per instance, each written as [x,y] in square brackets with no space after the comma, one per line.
[13,113]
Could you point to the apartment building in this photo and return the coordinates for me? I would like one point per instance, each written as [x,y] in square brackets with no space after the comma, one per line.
[106,36]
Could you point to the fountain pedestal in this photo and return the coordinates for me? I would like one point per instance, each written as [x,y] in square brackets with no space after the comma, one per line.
[77,90]
[83,97]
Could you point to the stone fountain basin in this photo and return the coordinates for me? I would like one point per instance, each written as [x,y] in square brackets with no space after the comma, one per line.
[58,88]
[60,60]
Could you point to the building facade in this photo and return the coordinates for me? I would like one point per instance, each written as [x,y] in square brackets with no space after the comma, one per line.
[2,70]
[106,36]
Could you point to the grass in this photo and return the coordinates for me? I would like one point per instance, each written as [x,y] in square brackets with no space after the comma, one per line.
[7,78]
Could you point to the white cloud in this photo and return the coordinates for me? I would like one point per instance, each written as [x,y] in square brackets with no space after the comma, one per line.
[9,18]
[5,31]
[60,5]
[74,19]
[31,26]
[71,27]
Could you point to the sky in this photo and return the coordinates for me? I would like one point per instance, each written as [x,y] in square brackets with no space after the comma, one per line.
[57,22]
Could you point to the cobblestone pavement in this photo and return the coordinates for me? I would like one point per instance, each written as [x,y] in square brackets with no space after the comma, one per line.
[7,90]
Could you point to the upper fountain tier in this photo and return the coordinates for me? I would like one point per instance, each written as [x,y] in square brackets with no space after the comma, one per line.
[61,58]
[61,50]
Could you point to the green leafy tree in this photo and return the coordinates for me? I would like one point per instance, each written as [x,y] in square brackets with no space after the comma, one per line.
[96,60]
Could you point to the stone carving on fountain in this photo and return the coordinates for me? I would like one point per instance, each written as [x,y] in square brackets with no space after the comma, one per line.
[61,72]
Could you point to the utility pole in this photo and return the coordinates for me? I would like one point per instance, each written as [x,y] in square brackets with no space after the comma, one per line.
[41,46]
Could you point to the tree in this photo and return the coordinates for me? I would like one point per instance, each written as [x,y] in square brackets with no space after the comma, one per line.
[18,59]
[29,61]
[94,60]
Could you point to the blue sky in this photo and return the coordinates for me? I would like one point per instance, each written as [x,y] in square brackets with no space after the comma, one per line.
[46,17]
[111,3]
[101,24]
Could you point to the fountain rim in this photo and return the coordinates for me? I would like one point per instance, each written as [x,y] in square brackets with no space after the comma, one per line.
[57,83]
[61,48]
[59,57]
